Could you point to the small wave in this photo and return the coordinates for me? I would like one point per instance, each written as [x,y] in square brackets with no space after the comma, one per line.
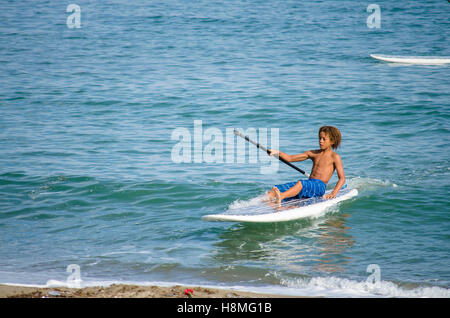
[342,287]
[369,183]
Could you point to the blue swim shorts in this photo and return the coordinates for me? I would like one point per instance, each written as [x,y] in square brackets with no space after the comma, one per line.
[310,188]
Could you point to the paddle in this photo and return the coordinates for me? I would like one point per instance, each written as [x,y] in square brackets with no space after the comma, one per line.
[268,152]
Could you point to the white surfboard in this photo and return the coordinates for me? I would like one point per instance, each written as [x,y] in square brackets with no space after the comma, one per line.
[287,211]
[424,60]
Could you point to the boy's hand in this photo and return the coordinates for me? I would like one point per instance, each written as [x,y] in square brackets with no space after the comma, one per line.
[274,152]
[329,196]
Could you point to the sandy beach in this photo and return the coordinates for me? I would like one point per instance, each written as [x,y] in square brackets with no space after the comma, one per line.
[126,291]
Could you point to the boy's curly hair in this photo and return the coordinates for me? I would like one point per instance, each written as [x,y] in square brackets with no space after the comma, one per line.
[333,133]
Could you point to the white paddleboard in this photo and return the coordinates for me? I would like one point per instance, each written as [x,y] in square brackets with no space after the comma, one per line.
[287,211]
[424,60]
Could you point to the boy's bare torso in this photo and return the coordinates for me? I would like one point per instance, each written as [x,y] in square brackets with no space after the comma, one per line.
[323,164]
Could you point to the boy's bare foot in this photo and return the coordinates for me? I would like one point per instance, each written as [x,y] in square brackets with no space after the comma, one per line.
[271,194]
[277,195]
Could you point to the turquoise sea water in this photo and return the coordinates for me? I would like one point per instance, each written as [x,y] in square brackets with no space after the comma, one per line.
[87,174]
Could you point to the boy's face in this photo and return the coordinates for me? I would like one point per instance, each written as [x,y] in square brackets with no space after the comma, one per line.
[324,141]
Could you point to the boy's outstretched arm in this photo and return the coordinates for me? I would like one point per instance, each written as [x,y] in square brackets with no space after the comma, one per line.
[341,175]
[290,158]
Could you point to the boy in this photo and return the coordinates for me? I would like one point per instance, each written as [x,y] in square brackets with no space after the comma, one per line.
[325,161]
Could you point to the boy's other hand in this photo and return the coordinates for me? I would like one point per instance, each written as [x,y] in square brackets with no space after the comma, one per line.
[329,196]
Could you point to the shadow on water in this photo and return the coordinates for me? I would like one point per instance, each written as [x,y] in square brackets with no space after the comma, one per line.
[314,244]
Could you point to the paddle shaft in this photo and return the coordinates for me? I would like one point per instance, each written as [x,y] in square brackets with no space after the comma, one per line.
[268,152]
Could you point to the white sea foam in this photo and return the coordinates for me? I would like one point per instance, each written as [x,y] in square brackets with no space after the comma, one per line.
[239,204]
[342,287]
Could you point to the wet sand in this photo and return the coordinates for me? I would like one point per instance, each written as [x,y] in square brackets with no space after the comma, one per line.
[126,291]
